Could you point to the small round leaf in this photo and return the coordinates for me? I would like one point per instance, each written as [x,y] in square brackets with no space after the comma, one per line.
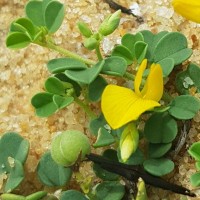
[160,128]
[158,150]
[195,179]
[194,151]
[184,107]
[158,167]
[72,195]
[52,174]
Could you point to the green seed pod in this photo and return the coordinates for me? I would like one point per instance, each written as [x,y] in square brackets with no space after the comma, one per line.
[68,146]
[110,23]
[90,43]
[84,29]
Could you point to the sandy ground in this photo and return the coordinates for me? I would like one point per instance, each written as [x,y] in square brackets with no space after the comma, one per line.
[23,73]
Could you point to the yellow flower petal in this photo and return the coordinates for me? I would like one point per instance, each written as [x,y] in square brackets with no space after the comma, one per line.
[121,105]
[190,9]
[138,77]
[153,88]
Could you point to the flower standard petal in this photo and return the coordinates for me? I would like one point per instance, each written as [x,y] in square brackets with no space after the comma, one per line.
[153,88]
[121,105]
[138,77]
[190,9]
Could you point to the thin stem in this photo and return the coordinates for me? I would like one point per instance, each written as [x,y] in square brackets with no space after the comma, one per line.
[65,52]
[86,108]
[98,52]
[129,76]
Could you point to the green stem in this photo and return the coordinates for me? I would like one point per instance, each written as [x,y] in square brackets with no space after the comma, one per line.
[65,52]
[98,52]
[129,76]
[86,108]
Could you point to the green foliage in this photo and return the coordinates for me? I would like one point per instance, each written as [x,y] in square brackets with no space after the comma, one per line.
[160,128]
[194,151]
[167,49]
[187,79]
[13,158]
[158,167]
[179,107]
[46,13]
[109,190]
[96,88]
[61,64]
[103,174]
[52,174]
[132,48]
[72,195]
[63,150]
[158,150]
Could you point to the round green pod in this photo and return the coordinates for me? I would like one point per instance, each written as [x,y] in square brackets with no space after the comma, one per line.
[68,146]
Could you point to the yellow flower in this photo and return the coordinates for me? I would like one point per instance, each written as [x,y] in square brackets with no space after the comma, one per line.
[128,141]
[122,105]
[190,9]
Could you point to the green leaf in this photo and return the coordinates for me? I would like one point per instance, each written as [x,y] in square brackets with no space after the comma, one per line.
[18,148]
[85,76]
[50,173]
[179,107]
[44,104]
[115,66]
[129,40]
[34,12]
[62,77]
[97,123]
[72,195]
[124,52]
[160,128]
[54,15]
[102,173]
[104,138]
[62,102]
[24,25]
[152,40]
[194,151]
[110,190]
[55,86]
[167,66]
[140,50]
[172,45]
[61,64]
[158,167]
[188,78]
[16,175]
[158,150]
[17,40]
[195,179]
[96,88]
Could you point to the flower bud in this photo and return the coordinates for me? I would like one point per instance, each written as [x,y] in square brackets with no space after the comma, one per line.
[141,194]
[84,29]
[110,23]
[188,9]
[128,141]
[68,146]
[91,43]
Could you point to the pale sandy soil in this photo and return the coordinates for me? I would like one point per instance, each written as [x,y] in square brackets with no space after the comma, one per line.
[23,73]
